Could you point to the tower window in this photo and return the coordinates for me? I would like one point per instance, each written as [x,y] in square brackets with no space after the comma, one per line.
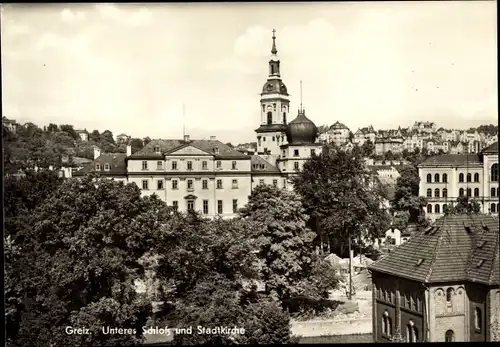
[284,118]
[269,118]
[274,107]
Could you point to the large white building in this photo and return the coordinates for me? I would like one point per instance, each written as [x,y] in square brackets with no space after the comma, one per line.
[211,177]
[446,177]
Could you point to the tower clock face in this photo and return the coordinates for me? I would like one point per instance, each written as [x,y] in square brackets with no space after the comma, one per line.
[270,87]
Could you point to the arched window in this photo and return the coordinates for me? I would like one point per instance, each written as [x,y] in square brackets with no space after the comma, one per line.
[461,177]
[437,208]
[429,192]
[436,178]
[493,208]
[411,332]
[389,326]
[429,208]
[269,118]
[469,191]
[476,177]
[429,178]
[449,295]
[445,178]
[493,191]
[445,193]
[461,192]
[449,336]
[469,177]
[436,193]
[494,172]
[476,191]
[386,324]
[478,319]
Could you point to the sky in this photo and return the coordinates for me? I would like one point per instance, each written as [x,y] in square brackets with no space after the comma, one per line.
[130,68]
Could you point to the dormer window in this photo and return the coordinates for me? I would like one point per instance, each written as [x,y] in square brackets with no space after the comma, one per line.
[97,167]
[106,167]
[157,149]
[262,166]
[216,150]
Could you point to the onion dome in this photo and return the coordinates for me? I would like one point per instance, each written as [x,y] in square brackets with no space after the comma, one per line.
[301,130]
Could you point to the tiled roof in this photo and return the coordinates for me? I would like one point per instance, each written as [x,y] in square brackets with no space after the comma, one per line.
[493,148]
[116,161]
[454,248]
[451,160]
[263,165]
[208,146]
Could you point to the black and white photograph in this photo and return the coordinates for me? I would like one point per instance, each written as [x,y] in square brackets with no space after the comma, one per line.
[250,173]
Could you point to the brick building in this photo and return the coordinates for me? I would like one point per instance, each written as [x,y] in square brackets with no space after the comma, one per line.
[441,285]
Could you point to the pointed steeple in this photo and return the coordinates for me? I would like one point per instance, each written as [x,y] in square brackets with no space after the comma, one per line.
[274,50]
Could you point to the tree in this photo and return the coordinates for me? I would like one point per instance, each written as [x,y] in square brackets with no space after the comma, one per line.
[136,144]
[463,205]
[69,130]
[284,242]
[407,202]
[338,193]
[146,140]
[87,239]
[368,148]
[52,128]
[95,136]
[389,156]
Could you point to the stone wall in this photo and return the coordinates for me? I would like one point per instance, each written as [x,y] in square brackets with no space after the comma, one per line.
[332,327]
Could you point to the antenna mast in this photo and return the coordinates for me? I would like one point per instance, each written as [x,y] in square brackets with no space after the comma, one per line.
[183,120]
[301,95]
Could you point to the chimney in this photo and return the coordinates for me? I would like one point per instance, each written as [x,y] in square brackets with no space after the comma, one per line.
[213,138]
[186,138]
[129,150]
[97,152]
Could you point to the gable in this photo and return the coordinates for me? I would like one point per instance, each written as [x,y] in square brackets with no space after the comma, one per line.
[189,150]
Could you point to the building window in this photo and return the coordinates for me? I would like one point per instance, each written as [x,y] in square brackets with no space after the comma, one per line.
[204,184]
[493,192]
[461,177]
[190,165]
[272,139]
[469,191]
[437,209]
[411,332]
[174,165]
[436,193]
[449,336]
[159,165]
[261,181]
[144,184]
[144,165]
[449,295]
[204,165]
[386,324]
[157,149]
[476,177]
[476,191]
[235,184]
[233,165]
[274,107]
[284,182]
[275,183]
[494,172]
[296,165]
[106,167]
[429,208]
[461,192]
[189,184]
[445,193]
[216,150]
[98,167]
[205,206]
[220,209]
[159,185]
[219,184]
[429,192]
[429,178]
[445,178]
[295,152]
[313,152]
[269,118]
[498,191]
[235,205]
[219,164]
[469,177]
[493,208]
[478,319]
[436,178]
[175,204]
[190,205]
[175,184]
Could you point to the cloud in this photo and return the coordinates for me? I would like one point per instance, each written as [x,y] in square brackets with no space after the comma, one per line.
[15,29]
[140,17]
[70,16]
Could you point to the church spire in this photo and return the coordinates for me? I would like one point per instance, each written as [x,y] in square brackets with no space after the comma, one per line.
[274,50]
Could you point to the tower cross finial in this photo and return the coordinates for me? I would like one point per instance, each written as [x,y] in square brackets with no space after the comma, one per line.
[274,50]
[301,95]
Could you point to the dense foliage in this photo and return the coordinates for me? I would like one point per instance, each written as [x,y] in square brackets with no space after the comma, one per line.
[463,205]
[341,197]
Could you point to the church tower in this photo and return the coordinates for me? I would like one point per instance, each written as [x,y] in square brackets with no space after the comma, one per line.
[274,108]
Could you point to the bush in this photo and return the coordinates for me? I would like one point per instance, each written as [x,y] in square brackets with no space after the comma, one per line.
[348,307]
